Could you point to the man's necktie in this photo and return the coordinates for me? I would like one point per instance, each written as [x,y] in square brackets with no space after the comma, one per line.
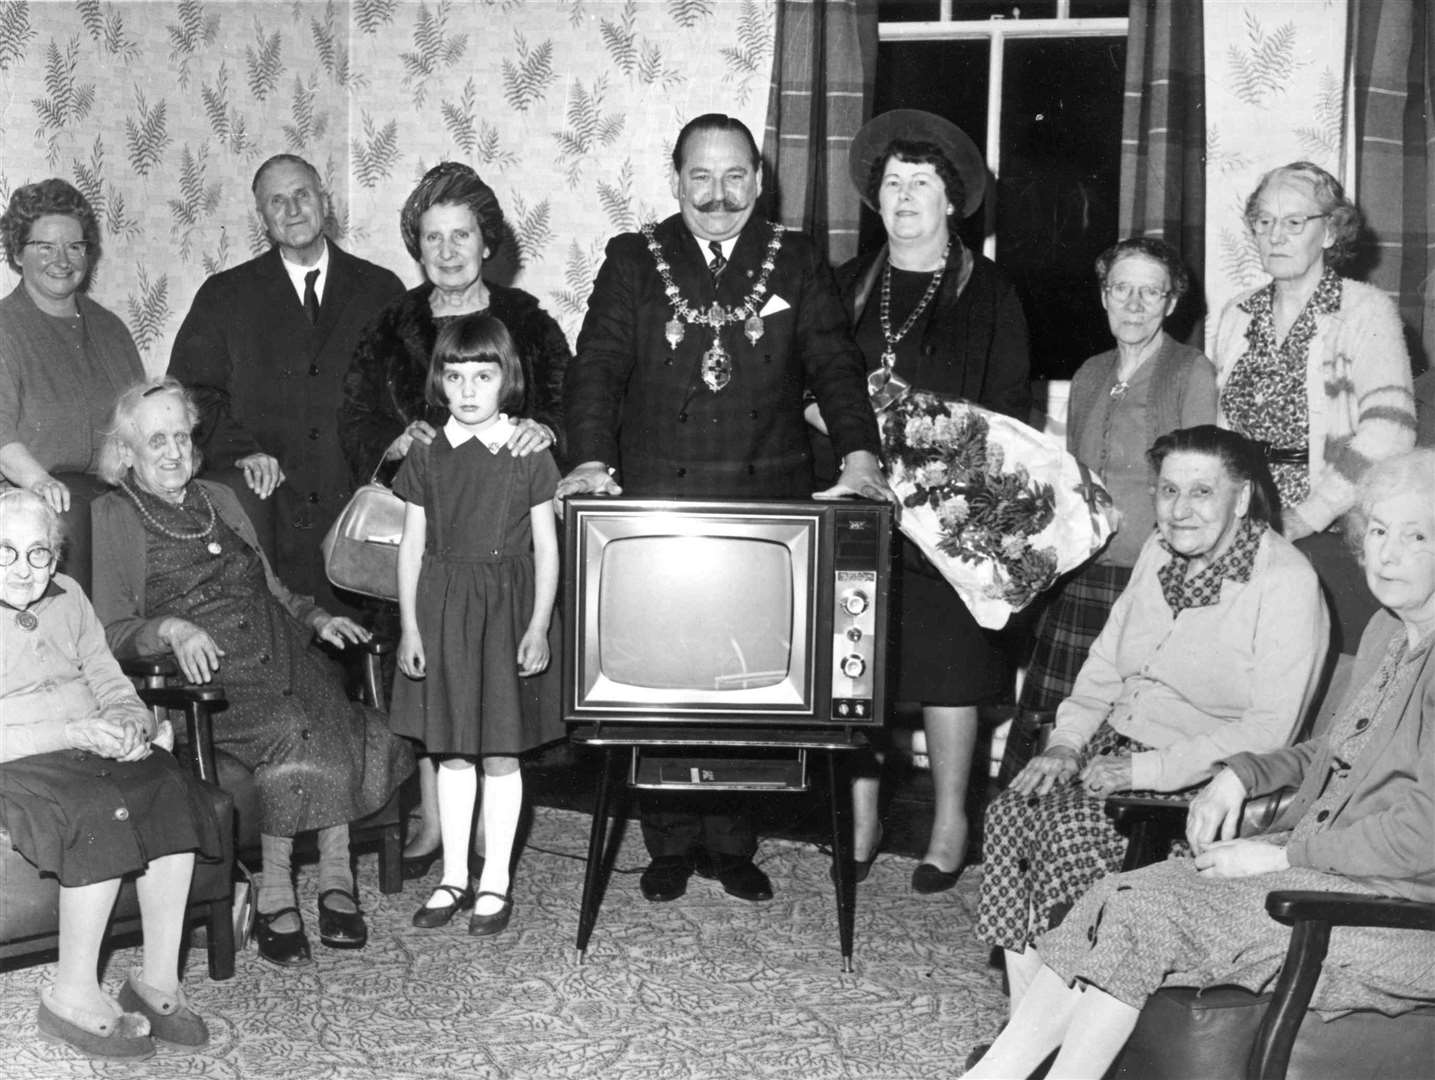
[311,298]
[717,262]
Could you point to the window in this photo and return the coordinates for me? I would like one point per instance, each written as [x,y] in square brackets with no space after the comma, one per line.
[1039,88]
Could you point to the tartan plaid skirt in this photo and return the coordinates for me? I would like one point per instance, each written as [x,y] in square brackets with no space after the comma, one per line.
[1068,625]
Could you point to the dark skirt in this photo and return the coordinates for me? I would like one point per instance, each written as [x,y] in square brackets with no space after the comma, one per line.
[85,819]
[1071,620]
[939,654]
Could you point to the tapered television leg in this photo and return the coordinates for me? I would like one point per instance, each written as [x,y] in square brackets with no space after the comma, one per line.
[592,877]
[840,796]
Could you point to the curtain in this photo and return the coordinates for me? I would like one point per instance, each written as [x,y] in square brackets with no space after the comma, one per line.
[1395,141]
[1163,136]
[824,59]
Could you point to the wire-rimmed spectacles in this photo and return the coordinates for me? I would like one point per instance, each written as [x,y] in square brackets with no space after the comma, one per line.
[1291,224]
[50,250]
[37,557]
[1122,291]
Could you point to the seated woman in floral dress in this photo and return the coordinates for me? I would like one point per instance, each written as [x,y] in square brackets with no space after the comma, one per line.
[1363,820]
[1214,648]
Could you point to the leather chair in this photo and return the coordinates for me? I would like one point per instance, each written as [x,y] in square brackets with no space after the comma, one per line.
[1226,1031]
[30,902]
[1220,1032]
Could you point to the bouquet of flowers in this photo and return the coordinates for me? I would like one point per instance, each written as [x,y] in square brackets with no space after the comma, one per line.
[1000,509]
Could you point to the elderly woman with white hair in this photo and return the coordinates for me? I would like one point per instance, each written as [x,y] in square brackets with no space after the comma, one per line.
[75,744]
[1362,820]
[178,570]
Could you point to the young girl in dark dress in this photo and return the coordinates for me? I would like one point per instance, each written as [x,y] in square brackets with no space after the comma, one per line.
[478,574]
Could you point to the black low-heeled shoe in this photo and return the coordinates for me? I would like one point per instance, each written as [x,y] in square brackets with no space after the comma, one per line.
[285,948]
[431,918]
[341,929]
[929,878]
[414,867]
[496,923]
[861,867]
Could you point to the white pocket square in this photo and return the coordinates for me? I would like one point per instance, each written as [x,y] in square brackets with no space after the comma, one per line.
[773,306]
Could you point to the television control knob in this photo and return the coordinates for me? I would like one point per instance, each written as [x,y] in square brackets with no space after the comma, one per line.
[853,665]
[854,634]
[855,601]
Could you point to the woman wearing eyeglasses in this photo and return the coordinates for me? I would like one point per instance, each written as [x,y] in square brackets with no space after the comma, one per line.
[1121,402]
[1313,366]
[63,357]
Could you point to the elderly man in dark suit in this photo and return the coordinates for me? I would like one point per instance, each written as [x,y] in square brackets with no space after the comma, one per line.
[703,334]
[264,349]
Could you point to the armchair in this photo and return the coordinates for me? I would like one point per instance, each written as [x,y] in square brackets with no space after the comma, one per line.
[30,903]
[381,830]
[1225,1031]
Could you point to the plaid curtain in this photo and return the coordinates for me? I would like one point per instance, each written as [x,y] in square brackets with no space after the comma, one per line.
[1395,143]
[824,58]
[1163,132]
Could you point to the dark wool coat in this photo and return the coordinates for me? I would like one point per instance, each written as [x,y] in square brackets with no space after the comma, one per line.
[634,403]
[266,380]
[384,388]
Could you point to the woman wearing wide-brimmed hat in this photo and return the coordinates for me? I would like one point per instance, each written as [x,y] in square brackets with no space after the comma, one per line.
[930,313]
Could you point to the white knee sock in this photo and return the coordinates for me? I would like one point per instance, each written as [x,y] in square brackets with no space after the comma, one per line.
[502,803]
[336,866]
[457,791]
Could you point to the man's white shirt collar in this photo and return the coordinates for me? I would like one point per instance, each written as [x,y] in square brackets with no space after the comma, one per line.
[494,438]
[726,245]
[296,273]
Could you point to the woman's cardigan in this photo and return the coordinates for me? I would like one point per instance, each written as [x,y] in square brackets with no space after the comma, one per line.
[1210,682]
[1358,391]
[1384,831]
[121,572]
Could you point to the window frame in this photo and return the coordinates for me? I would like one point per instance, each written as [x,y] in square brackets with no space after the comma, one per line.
[997,32]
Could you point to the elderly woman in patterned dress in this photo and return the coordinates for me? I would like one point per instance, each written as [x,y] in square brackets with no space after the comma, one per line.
[1313,366]
[178,570]
[1363,820]
[1214,648]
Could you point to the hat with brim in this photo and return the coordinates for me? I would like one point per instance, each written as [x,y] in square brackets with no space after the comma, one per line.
[915,125]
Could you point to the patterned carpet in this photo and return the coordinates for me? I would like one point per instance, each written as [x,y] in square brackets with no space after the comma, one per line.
[706,988]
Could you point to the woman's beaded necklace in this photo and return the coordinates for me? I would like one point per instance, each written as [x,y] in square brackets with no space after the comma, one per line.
[213,547]
[717,363]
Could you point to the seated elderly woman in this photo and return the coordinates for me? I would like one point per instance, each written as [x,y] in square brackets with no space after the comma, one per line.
[1363,820]
[1215,647]
[178,569]
[75,742]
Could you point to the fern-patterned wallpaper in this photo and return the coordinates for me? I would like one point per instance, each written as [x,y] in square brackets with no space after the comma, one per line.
[160,112]
[1275,93]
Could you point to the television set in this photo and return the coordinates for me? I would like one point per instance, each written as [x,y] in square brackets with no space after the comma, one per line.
[725,612]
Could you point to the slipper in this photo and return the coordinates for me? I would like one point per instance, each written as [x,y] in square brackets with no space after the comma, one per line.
[123,1036]
[170,1016]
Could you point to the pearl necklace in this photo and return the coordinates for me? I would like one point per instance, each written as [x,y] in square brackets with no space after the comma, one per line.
[717,363]
[212,547]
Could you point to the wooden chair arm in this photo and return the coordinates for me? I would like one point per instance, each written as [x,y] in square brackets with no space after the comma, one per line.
[371,689]
[1350,909]
[152,670]
[1312,914]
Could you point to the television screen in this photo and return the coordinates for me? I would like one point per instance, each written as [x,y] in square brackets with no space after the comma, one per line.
[696,612]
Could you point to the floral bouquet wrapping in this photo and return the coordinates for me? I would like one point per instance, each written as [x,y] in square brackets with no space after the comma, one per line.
[1002,510]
